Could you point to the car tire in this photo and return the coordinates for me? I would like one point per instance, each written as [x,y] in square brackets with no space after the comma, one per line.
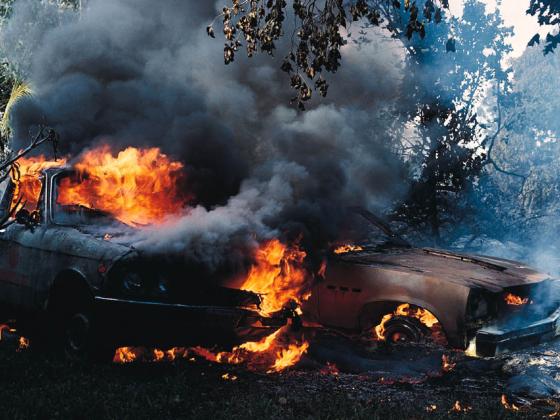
[81,340]
[401,329]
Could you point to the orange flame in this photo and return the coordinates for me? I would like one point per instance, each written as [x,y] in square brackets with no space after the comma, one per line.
[137,186]
[279,351]
[515,300]
[124,355]
[278,275]
[458,407]
[507,405]
[344,249]
[27,178]
[423,315]
[23,343]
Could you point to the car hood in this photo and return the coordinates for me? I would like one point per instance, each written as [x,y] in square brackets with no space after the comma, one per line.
[480,271]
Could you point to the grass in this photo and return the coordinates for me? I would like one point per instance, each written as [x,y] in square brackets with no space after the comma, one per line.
[32,386]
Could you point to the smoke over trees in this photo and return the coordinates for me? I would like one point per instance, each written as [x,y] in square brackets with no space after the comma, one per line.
[416,111]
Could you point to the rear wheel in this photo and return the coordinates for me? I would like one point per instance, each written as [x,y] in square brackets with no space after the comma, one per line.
[401,329]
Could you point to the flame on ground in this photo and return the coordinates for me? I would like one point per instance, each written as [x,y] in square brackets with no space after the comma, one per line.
[406,310]
[274,353]
[344,249]
[447,364]
[460,408]
[507,405]
[515,300]
[23,343]
[279,277]
[137,186]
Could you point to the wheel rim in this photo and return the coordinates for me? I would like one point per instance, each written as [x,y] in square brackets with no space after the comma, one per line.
[403,330]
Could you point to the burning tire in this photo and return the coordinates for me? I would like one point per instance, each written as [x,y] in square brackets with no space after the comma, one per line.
[409,324]
[402,329]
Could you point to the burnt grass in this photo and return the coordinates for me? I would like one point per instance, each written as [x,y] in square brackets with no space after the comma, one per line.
[35,386]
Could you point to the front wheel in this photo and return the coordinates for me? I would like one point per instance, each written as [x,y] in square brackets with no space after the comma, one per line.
[401,329]
[81,340]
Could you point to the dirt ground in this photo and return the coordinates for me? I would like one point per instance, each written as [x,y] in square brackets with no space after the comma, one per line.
[34,386]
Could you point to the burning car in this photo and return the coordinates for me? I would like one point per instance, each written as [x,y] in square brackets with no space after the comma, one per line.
[71,279]
[396,292]
[68,285]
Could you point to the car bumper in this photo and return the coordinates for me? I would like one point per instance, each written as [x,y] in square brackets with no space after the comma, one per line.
[491,341]
[133,322]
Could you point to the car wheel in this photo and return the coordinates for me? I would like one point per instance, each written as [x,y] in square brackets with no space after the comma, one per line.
[402,329]
[81,341]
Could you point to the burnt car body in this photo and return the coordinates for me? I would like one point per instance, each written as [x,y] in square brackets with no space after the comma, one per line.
[67,283]
[466,293]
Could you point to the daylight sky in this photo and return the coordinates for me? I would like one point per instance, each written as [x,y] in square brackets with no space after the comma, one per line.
[513,11]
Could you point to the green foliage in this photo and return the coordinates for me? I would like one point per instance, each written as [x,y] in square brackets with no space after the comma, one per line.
[548,13]
[445,87]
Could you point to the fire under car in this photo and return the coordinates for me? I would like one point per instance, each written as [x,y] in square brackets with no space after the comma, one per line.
[380,283]
[70,288]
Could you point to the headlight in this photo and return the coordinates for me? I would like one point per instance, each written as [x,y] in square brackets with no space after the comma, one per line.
[135,283]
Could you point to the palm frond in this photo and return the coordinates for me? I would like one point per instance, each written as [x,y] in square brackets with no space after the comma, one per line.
[19,90]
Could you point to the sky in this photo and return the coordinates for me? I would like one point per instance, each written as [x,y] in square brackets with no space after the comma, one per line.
[513,12]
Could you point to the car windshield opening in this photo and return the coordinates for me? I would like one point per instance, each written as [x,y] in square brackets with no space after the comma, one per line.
[66,212]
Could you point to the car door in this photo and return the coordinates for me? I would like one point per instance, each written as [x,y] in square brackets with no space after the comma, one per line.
[20,256]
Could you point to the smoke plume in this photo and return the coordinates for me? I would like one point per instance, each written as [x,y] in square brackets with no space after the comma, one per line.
[144,73]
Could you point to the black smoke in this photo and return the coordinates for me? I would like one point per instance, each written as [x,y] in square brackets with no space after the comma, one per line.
[144,73]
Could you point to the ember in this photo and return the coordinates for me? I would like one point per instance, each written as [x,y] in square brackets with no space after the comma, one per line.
[507,405]
[515,300]
[344,249]
[23,343]
[458,407]
[447,364]
[228,377]
[330,369]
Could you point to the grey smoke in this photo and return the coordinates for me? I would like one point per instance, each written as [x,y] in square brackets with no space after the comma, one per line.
[144,73]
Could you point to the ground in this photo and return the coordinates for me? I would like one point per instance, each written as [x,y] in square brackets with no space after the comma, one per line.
[33,385]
